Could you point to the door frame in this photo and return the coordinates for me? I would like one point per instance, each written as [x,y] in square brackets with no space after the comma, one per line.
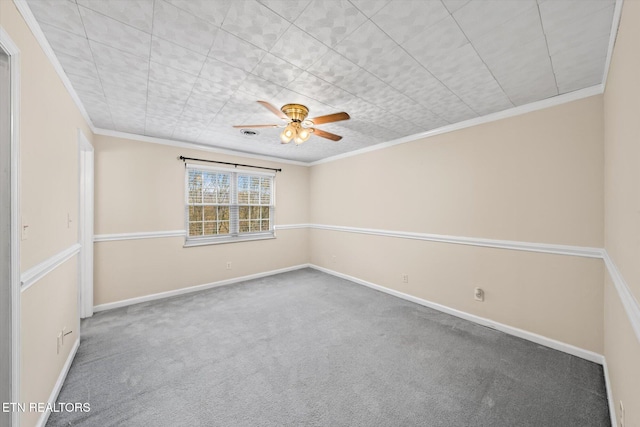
[11,49]
[85,225]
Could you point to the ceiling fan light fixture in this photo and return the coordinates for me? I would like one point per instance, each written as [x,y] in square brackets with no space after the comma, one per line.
[288,133]
[303,135]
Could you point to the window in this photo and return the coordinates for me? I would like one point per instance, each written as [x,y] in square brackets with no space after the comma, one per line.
[225,205]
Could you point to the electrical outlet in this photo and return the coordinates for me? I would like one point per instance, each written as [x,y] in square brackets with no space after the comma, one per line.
[333,259]
[478,294]
[69,221]
[228,265]
[621,414]
[405,278]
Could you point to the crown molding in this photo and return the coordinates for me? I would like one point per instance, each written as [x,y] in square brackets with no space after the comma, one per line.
[33,25]
[615,25]
[193,146]
[511,112]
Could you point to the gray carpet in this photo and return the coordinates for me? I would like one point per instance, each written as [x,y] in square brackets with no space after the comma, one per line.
[308,349]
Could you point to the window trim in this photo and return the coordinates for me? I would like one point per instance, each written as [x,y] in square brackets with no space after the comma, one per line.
[228,238]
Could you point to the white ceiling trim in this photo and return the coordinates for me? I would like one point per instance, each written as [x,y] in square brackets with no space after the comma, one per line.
[193,146]
[33,25]
[617,14]
[511,112]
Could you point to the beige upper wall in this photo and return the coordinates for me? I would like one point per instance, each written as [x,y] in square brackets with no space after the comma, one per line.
[140,186]
[536,177]
[622,149]
[49,120]
[622,209]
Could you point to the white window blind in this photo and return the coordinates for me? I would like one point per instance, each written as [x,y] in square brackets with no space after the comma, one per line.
[225,205]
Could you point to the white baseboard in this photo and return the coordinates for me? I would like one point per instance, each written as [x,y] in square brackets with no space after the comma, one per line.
[161,295]
[607,383]
[529,336]
[42,421]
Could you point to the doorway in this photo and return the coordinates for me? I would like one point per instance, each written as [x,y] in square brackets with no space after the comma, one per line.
[85,224]
[9,244]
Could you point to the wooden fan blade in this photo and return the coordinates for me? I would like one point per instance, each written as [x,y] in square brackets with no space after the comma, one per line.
[330,118]
[255,126]
[274,110]
[325,134]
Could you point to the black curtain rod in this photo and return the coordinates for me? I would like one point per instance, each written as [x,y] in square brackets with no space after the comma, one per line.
[227,163]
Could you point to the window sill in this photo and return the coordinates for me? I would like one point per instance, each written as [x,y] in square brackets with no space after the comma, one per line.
[219,241]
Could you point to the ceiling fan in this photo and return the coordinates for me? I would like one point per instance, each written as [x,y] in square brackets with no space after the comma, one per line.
[298,127]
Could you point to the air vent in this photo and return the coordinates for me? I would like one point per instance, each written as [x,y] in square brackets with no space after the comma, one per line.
[249,132]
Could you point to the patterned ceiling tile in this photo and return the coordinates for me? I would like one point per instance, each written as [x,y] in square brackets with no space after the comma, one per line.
[402,19]
[186,132]
[235,51]
[438,39]
[196,115]
[255,23]
[109,60]
[209,95]
[288,9]
[276,70]
[319,90]
[126,96]
[223,74]
[162,111]
[579,67]
[110,32]
[366,45]
[76,65]
[479,17]
[60,14]
[360,109]
[396,66]
[333,68]
[330,21]
[170,76]
[86,85]
[68,43]
[170,22]
[298,48]
[205,100]
[178,57]
[369,7]
[544,87]
[191,80]
[580,30]
[260,88]
[124,81]
[95,104]
[453,5]
[497,44]
[559,14]
[172,95]
[137,13]
[464,73]
[532,63]
[213,11]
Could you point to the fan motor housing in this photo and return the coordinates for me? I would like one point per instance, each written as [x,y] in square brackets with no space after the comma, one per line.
[296,112]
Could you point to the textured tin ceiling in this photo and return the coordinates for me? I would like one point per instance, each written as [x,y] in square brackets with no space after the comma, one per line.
[188,70]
